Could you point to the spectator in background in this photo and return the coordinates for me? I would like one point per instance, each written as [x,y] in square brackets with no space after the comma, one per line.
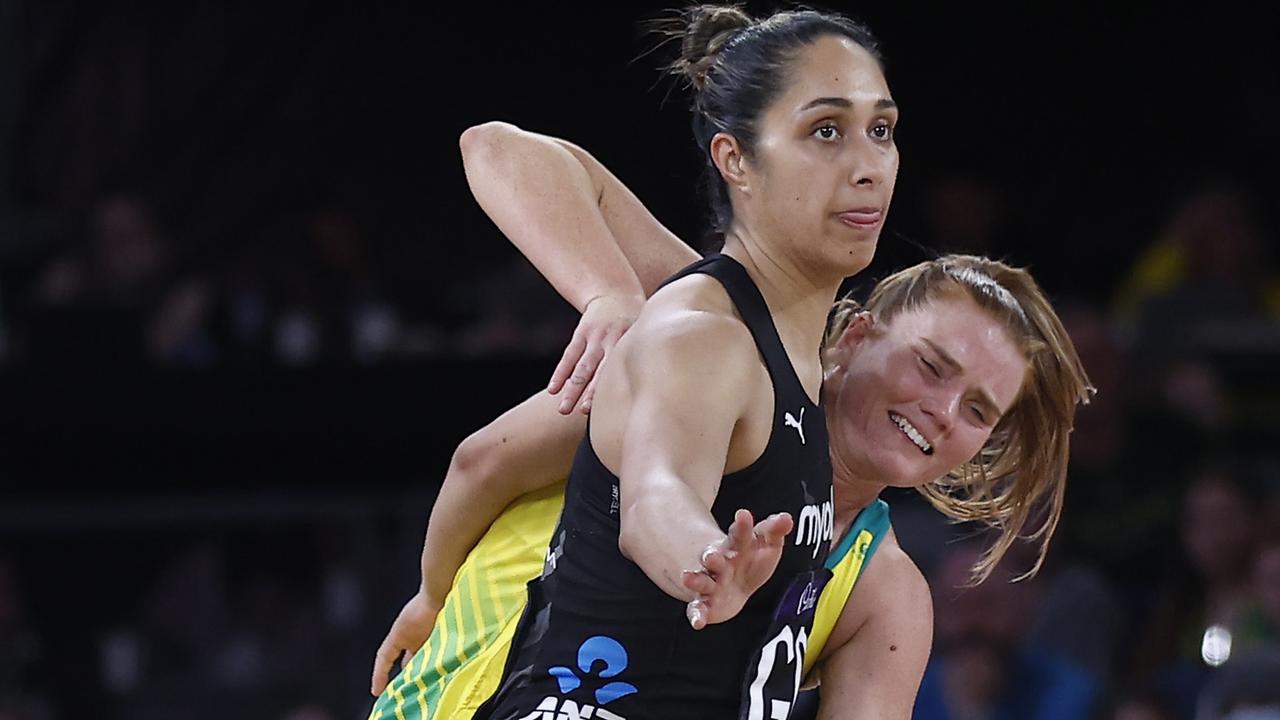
[119,299]
[1099,433]
[245,307]
[519,313]
[1207,588]
[332,307]
[253,625]
[1206,282]
[364,315]
[182,620]
[1260,625]
[92,300]
[1113,513]
[981,666]
[127,254]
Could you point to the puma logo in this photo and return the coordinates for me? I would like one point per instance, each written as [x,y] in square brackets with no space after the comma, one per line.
[790,421]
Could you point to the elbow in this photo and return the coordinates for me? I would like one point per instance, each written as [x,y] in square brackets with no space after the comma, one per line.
[630,539]
[626,543]
[480,140]
[472,462]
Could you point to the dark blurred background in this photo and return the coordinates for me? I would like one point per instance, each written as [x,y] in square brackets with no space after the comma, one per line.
[248,308]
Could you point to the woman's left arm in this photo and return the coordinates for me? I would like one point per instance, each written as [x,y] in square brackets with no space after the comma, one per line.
[876,673]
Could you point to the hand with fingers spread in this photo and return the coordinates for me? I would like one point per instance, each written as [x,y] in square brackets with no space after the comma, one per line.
[604,319]
[735,567]
[408,633]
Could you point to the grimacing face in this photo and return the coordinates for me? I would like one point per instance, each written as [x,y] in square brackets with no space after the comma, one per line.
[825,160]
[915,398]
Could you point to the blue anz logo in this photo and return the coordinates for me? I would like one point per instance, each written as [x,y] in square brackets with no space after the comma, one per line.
[593,652]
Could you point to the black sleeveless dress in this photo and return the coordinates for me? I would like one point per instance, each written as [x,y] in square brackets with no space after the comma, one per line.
[600,640]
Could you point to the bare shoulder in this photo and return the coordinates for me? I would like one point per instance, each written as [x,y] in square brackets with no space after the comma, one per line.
[895,578]
[687,344]
[891,591]
[688,365]
[691,322]
[894,594]
[697,291]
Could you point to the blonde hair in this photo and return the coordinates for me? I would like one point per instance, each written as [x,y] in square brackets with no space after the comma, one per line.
[1022,469]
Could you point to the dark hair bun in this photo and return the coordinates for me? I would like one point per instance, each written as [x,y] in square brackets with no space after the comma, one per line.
[706,29]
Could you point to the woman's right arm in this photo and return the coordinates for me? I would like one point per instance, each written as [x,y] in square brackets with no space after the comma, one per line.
[528,447]
[585,231]
[581,228]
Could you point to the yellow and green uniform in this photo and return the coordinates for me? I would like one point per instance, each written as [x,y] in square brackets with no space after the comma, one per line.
[462,661]
[846,562]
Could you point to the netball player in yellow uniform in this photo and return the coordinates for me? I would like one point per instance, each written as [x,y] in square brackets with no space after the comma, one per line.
[958,379]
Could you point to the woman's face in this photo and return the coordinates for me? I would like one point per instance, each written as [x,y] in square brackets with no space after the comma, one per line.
[914,399]
[825,161]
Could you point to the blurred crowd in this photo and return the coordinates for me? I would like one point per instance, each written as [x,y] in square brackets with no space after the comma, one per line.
[192,190]
[121,291]
[1160,599]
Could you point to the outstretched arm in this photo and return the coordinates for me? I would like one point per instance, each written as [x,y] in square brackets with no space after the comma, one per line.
[581,227]
[676,401]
